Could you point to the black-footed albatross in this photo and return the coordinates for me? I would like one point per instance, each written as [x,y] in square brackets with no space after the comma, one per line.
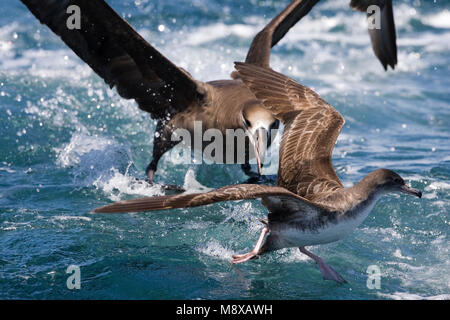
[309,205]
[118,54]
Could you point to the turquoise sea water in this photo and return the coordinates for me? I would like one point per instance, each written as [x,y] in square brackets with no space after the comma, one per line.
[69,144]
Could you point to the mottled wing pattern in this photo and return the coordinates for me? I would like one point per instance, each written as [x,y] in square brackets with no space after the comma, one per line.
[228,193]
[383,40]
[305,165]
[259,52]
[311,129]
[118,54]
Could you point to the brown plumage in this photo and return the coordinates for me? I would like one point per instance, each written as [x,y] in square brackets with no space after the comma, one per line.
[309,205]
[126,61]
[305,170]
[311,129]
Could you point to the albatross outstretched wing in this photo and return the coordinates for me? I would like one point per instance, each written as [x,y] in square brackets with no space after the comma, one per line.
[383,39]
[259,52]
[228,193]
[118,54]
[311,129]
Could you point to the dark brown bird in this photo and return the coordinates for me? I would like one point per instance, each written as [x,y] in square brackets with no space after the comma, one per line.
[118,54]
[309,205]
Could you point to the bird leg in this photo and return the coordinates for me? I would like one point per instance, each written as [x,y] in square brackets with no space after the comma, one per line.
[238,258]
[161,144]
[255,178]
[327,272]
[247,168]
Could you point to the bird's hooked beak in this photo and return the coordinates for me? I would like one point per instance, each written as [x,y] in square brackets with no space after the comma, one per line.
[407,189]
[259,140]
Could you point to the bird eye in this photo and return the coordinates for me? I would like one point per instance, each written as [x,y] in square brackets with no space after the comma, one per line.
[247,123]
[397,180]
[275,125]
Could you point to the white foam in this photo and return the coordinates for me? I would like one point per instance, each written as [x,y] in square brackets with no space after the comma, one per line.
[430,273]
[410,61]
[438,185]
[387,233]
[191,185]
[438,20]
[430,195]
[12,226]
[7,169]
[80,144]
[398,253]
[6,43]
[57,64]
[67,218]
[292,256]
[217,31]
[214,249]
[116,185]
[333,5]
[412,296]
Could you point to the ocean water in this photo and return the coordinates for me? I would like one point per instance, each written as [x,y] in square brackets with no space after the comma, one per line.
[69,144]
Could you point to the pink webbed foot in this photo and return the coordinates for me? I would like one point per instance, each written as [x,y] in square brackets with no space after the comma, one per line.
[239,258]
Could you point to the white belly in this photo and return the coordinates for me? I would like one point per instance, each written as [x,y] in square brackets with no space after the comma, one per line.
[293,237]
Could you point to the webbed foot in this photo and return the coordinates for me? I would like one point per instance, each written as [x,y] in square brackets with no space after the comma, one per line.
[327,272]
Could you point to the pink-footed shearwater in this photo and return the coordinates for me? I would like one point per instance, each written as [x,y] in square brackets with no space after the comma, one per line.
[125,60]
[309,205]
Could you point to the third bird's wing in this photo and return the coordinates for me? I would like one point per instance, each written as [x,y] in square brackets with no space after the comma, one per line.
[384,38]
[259,52]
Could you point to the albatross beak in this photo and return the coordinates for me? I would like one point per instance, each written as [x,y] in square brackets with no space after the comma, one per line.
[260,143]
[407,189]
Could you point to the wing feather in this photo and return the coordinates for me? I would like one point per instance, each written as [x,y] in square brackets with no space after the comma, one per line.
[384,43]
[311,130]
[118,54]
[228,193]
[259,52]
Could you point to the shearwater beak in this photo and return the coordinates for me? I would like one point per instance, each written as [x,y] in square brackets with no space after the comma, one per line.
[415,192]
[259,143]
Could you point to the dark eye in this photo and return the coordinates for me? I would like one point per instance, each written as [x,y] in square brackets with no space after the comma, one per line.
[275,125]
[397,180]
[247,123]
